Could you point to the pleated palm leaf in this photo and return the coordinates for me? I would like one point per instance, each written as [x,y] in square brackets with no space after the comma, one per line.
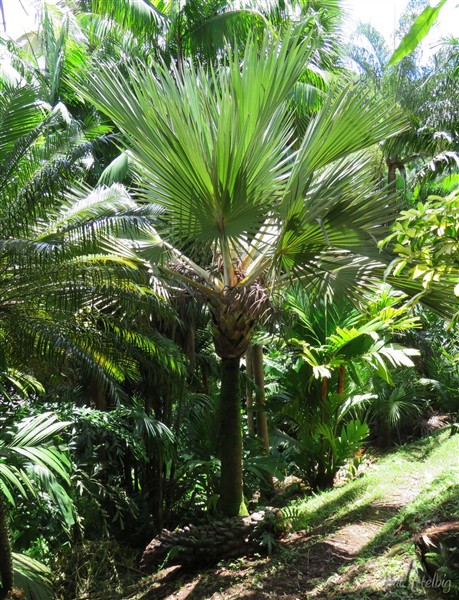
[241,212]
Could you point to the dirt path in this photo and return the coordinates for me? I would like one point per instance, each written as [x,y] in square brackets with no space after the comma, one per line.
[337,558]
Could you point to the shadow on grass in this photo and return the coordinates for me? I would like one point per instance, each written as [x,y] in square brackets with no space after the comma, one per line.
[440,502]
[327,513]
[422,449]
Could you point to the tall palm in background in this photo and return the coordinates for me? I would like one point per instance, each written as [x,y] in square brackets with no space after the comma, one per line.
[65,276]
[240,212]
[198,30]
[424,92]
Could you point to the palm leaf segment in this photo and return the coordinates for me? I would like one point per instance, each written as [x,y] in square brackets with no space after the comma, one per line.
[239,206]
[29,446]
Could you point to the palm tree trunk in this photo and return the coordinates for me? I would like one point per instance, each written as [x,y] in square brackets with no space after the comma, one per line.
[231,493]
[249,371]
[6,560]
[260,397]
[99,395]
[392,176]
[161,404]
[392,166]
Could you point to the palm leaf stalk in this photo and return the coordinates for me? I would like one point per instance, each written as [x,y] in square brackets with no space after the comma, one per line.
[242,212]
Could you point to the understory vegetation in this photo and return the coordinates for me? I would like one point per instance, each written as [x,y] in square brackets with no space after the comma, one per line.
[229,259]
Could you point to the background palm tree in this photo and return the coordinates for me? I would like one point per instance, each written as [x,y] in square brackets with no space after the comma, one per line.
[198,30]
[430,143]
[63,275]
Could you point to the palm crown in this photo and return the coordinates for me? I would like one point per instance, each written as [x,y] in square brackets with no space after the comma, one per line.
[214,149]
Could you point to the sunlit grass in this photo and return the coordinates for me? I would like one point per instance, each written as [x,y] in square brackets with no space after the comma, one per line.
[384,478]
[406,490]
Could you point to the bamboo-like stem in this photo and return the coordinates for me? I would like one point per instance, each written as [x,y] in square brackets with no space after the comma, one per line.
[260,396]
[341,379]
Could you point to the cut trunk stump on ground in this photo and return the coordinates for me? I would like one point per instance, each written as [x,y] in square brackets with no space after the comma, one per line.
[200,545]
[438,545]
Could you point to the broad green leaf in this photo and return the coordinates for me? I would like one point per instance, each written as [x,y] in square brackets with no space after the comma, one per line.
[417,33]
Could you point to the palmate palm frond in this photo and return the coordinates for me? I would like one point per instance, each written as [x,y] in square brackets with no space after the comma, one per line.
[394,406]
[187,184]
[213,196]
[322,210]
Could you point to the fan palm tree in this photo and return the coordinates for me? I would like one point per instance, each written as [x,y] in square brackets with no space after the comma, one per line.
[240,212]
